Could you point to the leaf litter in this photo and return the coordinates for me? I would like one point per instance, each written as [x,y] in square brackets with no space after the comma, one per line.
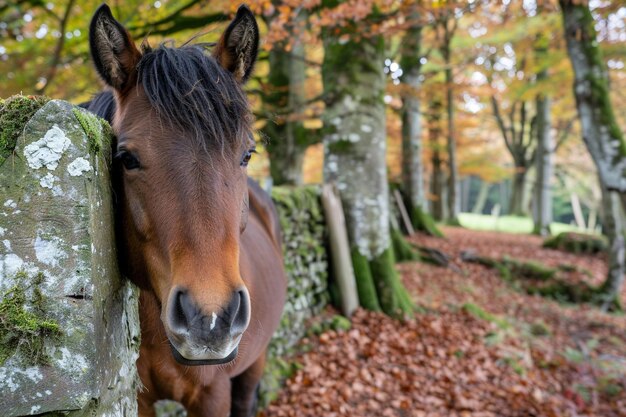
[480,347]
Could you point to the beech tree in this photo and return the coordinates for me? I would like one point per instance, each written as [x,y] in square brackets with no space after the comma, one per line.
[355,145]
[445,27]
[600,131]
[413,181]
[284,102]
[545,148]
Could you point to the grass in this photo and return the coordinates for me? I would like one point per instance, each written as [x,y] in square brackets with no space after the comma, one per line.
[509,224]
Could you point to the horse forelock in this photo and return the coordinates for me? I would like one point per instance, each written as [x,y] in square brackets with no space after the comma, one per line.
[191,92]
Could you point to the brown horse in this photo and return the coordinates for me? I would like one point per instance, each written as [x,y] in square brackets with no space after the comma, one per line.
[199,239]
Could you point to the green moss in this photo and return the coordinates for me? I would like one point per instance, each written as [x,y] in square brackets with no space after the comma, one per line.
[536,278]
[306,265]
[539,328]
[340,146]
[24,330]
[365,282]
[579,243]
[424,222]
[402,249]
[512,269]
[598,79]
[96,129]
[277,371]
[392,296]
[577,293]
[481,314]
[15,112]
[528,270]
[336,323]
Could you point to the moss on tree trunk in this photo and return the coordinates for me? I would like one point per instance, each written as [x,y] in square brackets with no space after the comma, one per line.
[355,138]
[402,249]
[365,282]
[424,222]
[600,131]
[284,101]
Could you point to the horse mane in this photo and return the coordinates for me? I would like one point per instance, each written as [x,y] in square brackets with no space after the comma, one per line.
[102,104]
[190,91]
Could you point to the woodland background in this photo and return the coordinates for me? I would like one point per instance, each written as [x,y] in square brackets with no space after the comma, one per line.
[468,109]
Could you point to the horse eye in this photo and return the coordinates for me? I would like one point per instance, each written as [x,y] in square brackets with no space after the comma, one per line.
[128,159]
[247,156]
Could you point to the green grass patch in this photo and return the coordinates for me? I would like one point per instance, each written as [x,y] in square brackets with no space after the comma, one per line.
[481,314]
[508,224]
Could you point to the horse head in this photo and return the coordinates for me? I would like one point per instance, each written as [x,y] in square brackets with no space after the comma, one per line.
[183,128]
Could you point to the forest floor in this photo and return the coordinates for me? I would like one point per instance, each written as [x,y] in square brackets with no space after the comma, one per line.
[480,347]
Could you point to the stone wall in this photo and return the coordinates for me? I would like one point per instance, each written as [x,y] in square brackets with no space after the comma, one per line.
[306,263]
[69,328]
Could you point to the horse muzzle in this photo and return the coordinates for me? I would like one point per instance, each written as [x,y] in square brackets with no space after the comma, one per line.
[198,337]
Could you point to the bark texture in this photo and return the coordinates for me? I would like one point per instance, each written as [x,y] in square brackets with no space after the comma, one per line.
[453,175]
[413,181]
[355,139]
[544,164]
[287,139]
[600,131]
[613,227]
[437,176]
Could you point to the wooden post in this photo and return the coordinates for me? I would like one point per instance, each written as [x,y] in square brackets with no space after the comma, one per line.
[403,213]
[340,249]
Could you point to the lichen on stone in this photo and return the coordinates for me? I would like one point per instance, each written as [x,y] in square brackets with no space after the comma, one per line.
[24,330]
[14,114]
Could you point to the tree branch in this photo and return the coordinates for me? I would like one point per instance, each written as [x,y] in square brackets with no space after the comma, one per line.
[565,132]
[56,56]
[501,125]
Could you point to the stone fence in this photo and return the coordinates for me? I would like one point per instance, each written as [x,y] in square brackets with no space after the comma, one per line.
[69,326]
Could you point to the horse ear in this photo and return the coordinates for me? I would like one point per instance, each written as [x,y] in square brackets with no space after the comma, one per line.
[113,51]
[237,48]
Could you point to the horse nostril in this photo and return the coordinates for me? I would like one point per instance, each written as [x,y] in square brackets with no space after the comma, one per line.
[182,311]
[237,312]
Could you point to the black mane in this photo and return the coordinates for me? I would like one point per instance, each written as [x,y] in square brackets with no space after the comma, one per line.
[102,104]
[190,91]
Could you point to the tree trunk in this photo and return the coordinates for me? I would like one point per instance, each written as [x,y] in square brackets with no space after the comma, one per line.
[453,182]
[544,166]
[600,131]
[412,167]
[613,224]
[520,141]
[437,176]
[355,139]
[412,148]
[516,204]
[483,193]
[285,101]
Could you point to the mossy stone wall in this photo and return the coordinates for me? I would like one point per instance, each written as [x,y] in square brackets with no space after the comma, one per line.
[69,326]
[306,263]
